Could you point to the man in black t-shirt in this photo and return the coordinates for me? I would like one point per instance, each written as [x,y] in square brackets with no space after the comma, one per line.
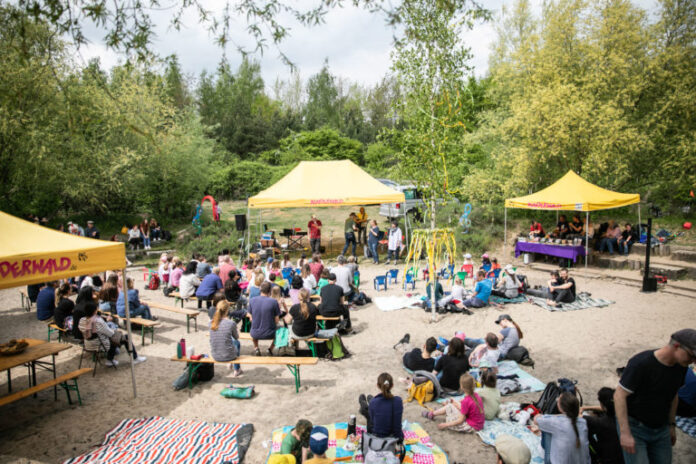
[646,399]
[332,302]
[563,291]
[421,360]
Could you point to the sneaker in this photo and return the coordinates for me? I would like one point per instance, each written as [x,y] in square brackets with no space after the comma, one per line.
[139,360]
[112,363]
[270,352]
[257,352]
[237,373]
[386,262]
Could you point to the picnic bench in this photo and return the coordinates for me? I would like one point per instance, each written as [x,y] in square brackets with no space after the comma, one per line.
[61,381]
[178,299]
[53,328]
[292,363]
[310,341]
[26,302]
[191,314]
[321,320]
[146,325]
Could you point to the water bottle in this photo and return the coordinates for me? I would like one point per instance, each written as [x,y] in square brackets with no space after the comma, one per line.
[182,343]
[189,351]
[178,350]
[351,425]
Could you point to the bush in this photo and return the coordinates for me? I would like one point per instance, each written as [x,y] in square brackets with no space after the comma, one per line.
[244,179]
[214,238]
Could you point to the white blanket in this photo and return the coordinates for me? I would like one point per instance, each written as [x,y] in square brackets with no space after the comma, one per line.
[392,303]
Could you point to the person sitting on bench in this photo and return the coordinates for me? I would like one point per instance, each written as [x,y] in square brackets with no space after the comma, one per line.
[135,308]
[97,333]
[332,303]
[210,284]
[65,306]
[189,281]
[303,317]
[482,292]
[224,338]
[563,290]
[264,313]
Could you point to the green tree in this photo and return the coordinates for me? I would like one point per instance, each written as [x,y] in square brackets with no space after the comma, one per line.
[322,107]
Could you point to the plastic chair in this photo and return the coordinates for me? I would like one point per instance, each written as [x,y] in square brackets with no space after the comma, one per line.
[356,279]
[409,280]
[462,276]
[413,271]
[392,275]
[469,269]
[380,281]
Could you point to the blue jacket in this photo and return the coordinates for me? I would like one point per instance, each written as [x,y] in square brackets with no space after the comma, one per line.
[386,416]
[133,302]
[45,303]
[209,285]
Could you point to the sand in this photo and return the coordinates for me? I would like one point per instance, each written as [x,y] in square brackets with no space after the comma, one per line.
[586,345]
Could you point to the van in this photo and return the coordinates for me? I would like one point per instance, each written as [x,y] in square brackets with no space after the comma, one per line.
[413,206]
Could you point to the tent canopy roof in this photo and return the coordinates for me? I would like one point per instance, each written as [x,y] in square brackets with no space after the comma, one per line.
[325,183]
[30,254]
[573,193]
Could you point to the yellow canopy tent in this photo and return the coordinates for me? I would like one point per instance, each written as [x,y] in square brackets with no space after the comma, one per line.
[30,254]
[572,193]
[325,183]
[314,184]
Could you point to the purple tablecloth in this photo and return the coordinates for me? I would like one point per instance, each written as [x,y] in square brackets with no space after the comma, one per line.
[561,251]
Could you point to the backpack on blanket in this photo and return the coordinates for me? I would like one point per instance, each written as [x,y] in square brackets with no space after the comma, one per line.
[547,401]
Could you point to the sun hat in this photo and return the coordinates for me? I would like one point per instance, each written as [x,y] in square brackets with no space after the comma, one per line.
[509,269]
[503,316]
[485,255]
[467,256]
[687,339]
[319,440]
[512,450]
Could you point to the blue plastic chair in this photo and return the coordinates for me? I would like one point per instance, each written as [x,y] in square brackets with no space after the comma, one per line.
[380,281]
[392,274]
[409,281]
[298,271]
[287,273]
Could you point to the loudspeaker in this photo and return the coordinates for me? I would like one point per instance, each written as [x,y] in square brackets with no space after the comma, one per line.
[649,284]
[240,221]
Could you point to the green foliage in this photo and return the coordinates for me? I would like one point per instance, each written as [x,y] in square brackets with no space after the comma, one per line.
[243,179]
[322,144]
[215,238]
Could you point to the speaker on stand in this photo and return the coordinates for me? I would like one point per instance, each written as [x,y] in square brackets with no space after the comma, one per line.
[240,221]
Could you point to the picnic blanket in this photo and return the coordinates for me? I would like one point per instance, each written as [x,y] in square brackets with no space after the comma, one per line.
[492,429]
[687,424]
[503,300]
[392,303]
[420,449]
[527,381]
[162,440]
[581,302]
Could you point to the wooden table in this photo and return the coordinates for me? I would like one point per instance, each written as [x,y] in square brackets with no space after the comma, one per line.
[30,357]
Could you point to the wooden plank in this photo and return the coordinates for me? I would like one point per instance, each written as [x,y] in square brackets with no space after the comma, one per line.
[188,312]
[134,320]
[43,386]
[272,360]
[247,336]
[54,326]
[37,349]
[328,318]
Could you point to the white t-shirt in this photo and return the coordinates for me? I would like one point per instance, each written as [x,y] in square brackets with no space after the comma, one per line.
[344,277]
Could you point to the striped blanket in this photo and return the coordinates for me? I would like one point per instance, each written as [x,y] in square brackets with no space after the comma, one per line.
[581,302]
[420,449]
[163,440]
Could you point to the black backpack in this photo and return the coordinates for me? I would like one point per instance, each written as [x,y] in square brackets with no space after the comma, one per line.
[546,403]
[520,355]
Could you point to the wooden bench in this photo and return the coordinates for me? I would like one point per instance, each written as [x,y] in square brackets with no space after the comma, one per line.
[321,320]
[191,314]
[146,325]
[62,381]
[292,363]
[178,299]
[53,328]
[26,302]
[310,341]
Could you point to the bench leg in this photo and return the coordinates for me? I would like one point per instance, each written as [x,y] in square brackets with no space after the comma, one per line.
[321,324]
[192,368]
[312,348]
[188,319]
[295,371]
[67,387]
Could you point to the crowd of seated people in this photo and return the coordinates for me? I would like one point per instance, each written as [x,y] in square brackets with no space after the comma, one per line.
[608,237]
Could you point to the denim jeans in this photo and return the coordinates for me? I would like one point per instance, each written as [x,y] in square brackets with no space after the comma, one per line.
[393,254]
[373,251]
[350,238]
[236,343]
[625,247]
[141,311]
[315,245]
[653,446]
[608,244]
[146,241]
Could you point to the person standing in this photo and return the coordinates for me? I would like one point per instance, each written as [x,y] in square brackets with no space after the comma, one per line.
[646,399]
[314,227]
[362,226]
[349,230]
[373,241]
[395,241]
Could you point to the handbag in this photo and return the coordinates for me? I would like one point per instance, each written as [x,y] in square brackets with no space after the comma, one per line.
[282,335]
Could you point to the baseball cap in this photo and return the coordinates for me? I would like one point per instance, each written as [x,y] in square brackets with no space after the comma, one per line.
[269,260]
[509,269]
[90,222]
[460,335]
[503,316]
[687,339]
[467,256]
[485,255]
[512,450]
[319,440]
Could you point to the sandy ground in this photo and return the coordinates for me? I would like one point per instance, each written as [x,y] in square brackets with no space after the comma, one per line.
[586,345]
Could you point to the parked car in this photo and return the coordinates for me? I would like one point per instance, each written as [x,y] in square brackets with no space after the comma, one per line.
[413,205]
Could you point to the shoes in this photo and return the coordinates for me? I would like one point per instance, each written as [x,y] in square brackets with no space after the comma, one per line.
[467,312]
[112,363]
[428,414]
[236,374]
[270,352]
[153,318]
[139,360]
[257,352]
[386,262]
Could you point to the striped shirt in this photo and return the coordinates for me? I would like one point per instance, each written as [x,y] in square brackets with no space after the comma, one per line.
[221,346]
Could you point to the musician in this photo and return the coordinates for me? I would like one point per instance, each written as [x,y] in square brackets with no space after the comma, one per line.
[314,227]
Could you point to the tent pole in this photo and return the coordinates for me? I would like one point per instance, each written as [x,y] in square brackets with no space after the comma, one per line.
[128,329]
[639,221]
[587,235]
[505,237]
[248,231]
[405,223]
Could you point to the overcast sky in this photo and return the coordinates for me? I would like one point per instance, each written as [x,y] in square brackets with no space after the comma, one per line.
[356,43]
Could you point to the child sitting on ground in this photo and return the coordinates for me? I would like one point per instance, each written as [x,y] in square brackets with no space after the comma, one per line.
[468,416]
[297,441]
[488,352]
[489,394]
[318,444]
[416,359]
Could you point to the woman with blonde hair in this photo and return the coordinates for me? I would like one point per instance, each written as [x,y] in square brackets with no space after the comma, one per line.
[467,416]
[303,317]
[224,338]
